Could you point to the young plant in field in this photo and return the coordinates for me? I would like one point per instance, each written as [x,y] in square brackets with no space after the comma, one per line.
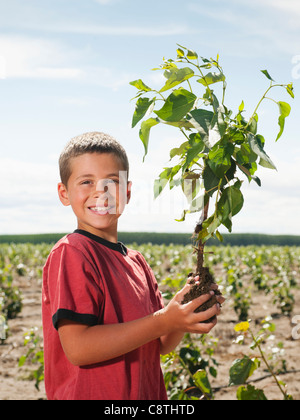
[219,144]
[243,369]
[34,355]
[10,296]
[3,327]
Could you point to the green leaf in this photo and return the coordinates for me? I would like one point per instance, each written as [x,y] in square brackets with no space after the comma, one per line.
[285,110]
[142,106]
[290,90]
[250,394]
[266,73]
[166,176]
[191,186]
[176,76]
[180,53]
[192,55]
[203,121]
[202,382]
[211,181]
[22,360]
[145,132]
[159,184]
[196,206]
[177,105]
[179,151]
[247,172]
[219,236]
[253,124]
[230,204]
[246,155]
[211,224]
[192,153]
[211,126]
[212,78]
[256,144]
[241,370]
[204,236]
[242,107]
[140,85]
[220,158]
[179,124]
[183,216]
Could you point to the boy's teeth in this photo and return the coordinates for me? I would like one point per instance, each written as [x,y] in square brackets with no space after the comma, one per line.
[99,208]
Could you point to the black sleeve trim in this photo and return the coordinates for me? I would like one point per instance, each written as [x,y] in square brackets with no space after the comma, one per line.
[85,319]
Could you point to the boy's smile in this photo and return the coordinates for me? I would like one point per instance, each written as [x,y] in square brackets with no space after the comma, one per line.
[98,192]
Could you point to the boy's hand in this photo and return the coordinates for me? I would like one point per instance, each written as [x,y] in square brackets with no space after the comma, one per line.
[182,318]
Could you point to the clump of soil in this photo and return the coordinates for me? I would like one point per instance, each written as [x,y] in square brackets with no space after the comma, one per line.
[201,288]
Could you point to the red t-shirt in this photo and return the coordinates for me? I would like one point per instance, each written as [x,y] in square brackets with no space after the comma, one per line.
[95,282]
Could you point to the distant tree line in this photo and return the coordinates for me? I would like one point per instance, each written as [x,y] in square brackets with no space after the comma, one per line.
[238,239]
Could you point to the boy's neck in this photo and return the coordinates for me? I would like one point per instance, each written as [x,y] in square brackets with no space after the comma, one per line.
[111,236]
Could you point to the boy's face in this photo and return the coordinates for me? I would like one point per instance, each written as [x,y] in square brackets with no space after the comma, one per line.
[98,192]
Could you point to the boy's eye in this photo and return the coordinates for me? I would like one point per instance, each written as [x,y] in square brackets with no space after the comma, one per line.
[107,182]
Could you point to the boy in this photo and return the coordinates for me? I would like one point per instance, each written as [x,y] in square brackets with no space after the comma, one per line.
[104,321]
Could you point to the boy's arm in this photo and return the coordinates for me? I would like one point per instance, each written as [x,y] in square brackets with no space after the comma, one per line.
[85,345]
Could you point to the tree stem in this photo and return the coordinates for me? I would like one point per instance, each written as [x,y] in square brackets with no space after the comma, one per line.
[201,245]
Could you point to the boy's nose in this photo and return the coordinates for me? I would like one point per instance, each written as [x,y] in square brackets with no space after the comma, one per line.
[101,186]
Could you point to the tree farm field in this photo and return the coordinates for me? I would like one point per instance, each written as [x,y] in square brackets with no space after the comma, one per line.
[260,322]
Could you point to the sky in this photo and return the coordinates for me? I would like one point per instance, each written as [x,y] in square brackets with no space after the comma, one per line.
[65,68]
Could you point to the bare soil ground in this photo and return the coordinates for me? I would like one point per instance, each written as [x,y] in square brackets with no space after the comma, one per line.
[14,381]
[15,385]
[227,351]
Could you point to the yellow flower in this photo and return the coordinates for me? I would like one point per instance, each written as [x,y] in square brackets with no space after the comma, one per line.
[243,326]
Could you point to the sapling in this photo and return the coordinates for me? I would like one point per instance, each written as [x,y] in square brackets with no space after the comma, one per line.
[219,144]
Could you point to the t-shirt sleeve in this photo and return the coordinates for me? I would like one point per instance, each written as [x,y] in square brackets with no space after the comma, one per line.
[73,287]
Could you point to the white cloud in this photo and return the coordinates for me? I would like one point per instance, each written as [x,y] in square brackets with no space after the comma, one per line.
[28,196]
[291,7]
[119,30]
[23,182]
[31,58]
[287,13]
[35,58]
[261,27]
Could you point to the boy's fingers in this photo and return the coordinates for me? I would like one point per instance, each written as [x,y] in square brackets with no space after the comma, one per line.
[194,304]
[220,299]
[210,313]
[182,292]
[201,328]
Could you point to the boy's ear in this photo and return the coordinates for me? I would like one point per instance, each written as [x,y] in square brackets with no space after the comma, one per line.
[63,194]
[129,186]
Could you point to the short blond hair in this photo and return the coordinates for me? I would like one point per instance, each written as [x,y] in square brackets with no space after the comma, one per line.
[94,142]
